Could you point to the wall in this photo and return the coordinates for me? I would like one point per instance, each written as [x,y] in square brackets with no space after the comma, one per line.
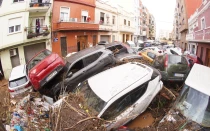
[205,47]
[75,10]
[206,15]
[191,6]
[7,38]
[71,39]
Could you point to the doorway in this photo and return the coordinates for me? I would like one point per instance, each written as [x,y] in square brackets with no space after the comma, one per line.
[208,58]
[63,46]
[82,42]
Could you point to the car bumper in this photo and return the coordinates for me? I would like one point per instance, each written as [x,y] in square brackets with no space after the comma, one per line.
[20,91]
[51,76]
[165,77]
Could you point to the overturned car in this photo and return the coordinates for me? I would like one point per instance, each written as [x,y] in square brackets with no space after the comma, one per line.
[121,93]
[83,65]
[192,108]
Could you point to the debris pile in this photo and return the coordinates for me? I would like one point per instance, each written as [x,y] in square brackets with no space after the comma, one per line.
[30,113]
[71,114]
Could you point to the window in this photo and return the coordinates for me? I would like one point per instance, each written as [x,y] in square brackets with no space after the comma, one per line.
[14,25]
[138,92]
[117,107]
[90,59]
[64,13]
[203,23]
[17,82]
[38,59]
[102,17]
[84,16]
[17,0]
[1,2]
[77,66]
[204,2]
[113,20]
[124,21]
[151,55]
[128,23]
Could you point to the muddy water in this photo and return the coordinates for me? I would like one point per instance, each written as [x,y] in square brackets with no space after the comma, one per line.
[142,121]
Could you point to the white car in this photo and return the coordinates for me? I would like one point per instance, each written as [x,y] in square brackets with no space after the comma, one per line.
[193,104]
[19,81]
[156,49]
[121,93]
[176,51]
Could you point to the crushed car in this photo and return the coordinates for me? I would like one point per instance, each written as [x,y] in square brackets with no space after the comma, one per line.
[18,81]
[172,67]
[148,55]
[43,67]
[191,110]
[83,65]
[121,93]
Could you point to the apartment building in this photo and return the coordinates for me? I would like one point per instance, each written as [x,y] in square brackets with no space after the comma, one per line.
[199,32]
[25,31]
[74,26]
[107,16]
[164,34]
[152,27]
[145,22]
[185,8]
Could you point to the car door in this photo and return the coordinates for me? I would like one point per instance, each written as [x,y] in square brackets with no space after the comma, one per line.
[93,64]
[120,112]
[78,73]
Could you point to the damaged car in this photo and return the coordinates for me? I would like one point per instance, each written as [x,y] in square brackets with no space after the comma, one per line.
[121,93]
[116,48]
[193,104]
[43,67]
[83,65]
[19,81]
[172,67]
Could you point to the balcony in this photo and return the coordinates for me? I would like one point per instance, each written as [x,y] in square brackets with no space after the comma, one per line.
[35,6]
[76,24]
[202,35]
[33,32]
[125,28]
[106,26]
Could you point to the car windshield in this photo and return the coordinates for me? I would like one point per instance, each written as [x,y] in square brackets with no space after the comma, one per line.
[38,59]
[17,82]
[175,59]
[91,99]
[194,105]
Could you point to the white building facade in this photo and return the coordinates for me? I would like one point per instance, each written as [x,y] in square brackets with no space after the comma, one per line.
[25,26]
[107,16]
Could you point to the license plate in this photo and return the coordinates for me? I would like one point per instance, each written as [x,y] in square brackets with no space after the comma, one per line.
[51,75]
[178,75]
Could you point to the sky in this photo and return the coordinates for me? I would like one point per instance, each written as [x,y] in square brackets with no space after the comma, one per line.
[163,11]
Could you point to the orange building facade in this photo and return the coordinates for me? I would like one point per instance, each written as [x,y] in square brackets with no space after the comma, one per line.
[73,26]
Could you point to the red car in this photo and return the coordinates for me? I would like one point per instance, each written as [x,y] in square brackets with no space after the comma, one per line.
[193,59]
[43,67]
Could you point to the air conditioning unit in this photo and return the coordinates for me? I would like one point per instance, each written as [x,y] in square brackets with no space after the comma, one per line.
[13,52]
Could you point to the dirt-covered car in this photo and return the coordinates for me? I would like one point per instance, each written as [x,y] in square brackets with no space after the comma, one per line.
[172,67]
[191,111]
[83,65]
[126,56]
[121,93]
[116,48]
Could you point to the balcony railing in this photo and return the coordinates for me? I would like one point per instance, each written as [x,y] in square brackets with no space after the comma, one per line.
[127,28]
[202,34]
[37,6]
[33,32]
[77,24]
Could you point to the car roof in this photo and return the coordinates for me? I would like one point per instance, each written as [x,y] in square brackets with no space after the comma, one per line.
[84,52]
[112,44]
[127,55]
[154,52]
[18,72]
[198,78]
[111,82]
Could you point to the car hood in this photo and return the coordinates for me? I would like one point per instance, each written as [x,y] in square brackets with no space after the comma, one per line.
[44,64]
[176,118]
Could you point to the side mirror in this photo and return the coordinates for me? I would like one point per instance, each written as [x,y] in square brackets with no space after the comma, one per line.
[69,74]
